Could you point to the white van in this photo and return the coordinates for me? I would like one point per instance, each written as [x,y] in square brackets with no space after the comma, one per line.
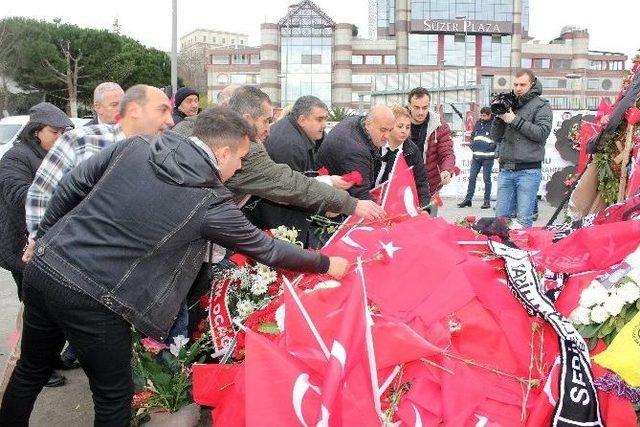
[11,126]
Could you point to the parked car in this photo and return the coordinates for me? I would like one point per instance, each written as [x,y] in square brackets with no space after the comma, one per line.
[11,126]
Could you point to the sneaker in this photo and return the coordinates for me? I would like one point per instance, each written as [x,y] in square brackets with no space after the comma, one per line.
[56,380]
[465,204]
[485,205]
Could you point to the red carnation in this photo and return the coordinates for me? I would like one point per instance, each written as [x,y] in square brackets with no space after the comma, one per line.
[437,200]
[471,219]
[323,171]
[456,170]
[239,260]
[140,398]
[353,177]
[204,301]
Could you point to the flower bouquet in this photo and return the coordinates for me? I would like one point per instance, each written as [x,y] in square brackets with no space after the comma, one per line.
[162,374]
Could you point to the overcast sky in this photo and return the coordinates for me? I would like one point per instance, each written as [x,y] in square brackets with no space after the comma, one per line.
[613,25]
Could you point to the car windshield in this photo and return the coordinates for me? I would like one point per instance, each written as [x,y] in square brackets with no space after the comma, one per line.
[8,131]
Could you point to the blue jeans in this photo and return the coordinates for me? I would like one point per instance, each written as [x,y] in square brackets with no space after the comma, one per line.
[476,164]
[519,188]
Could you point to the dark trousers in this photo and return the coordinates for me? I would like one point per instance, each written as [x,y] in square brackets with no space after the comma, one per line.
[17,277]
[101,338]
[486,165]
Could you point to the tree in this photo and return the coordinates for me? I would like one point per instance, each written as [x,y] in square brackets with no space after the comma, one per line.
[67,62]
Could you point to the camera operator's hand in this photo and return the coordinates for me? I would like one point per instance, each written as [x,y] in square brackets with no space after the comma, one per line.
[507,117]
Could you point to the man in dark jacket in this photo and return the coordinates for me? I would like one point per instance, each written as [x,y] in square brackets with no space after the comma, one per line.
[260,176]
[121,242]
[294,140]
[354,145]
[484,152]
[521,134]
[186,103]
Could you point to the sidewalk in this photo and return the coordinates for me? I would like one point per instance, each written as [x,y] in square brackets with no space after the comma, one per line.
[71,405]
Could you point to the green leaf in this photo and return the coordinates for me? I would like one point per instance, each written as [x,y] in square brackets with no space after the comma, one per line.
[589,331]
[269,328]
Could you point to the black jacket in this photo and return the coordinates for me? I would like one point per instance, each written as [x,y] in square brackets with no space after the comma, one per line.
[129,228]
[521,143]
[348,148]
[18,167]
[482,146]
[287,144]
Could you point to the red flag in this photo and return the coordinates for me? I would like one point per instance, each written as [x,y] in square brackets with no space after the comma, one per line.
[278,390]
[400,196]
[396,343]
[591,248]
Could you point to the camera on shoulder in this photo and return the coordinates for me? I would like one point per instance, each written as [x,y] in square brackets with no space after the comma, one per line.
[502,102]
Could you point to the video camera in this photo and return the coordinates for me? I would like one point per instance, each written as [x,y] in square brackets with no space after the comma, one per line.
[502,102]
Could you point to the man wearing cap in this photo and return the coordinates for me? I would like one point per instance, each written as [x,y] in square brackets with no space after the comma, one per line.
[187,104]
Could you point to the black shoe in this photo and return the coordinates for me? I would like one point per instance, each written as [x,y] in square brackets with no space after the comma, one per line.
[56,380]
[66,362]
[485,205]
[465,204]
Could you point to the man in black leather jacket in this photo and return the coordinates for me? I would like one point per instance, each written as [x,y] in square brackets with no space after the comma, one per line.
[121,242]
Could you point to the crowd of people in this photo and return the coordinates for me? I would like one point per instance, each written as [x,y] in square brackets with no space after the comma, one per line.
[116,223]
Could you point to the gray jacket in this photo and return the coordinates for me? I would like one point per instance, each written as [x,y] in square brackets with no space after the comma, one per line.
[521,142]
[261,176]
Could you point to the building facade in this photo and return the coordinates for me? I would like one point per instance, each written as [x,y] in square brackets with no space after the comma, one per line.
[461,50]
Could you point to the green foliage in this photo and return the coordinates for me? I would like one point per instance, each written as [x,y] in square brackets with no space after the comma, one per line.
[607,180]
[608,330]
[337,114]
[106,56]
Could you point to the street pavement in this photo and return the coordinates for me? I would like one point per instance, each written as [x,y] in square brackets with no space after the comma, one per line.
[71,405]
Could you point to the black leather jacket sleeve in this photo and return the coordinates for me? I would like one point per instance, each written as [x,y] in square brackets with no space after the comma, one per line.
[224,224]
[76,185]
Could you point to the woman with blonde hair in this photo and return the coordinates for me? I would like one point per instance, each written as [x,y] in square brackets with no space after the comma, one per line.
[400,141]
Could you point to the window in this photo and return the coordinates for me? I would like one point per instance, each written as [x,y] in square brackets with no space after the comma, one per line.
[255,58]
[562,64]
[224,41]
[459,50]
[356,59]
[525,62]
[593,84]
[214,39]
[204,38]
[241,41]
[240,59]
[548,83]
[220,59]
[423,49]
[616,65]
[559,102]
[390,59]
[496,51]
[361,78]
[311,59]
[373,59]
[540,63]
[233,41]
[597,65]
[239,79]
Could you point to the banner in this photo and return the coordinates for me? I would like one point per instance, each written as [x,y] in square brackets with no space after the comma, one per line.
[578,400]
[222,331]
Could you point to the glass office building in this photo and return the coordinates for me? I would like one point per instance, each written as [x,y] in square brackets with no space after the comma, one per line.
[461,50]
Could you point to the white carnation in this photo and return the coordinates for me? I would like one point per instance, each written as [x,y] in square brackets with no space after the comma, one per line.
[594,294]
[629,292]
[633,259]
[259,286]
[599,314]
[179,341]
[280,317]
[614,304]
[580,316]
[245,308]
[267,274]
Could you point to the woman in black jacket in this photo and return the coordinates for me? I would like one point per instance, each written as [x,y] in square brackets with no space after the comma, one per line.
[18,167]
[399,141]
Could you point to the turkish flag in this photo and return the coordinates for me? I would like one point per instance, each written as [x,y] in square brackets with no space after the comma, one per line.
[591,248]
[400,196]
[279,392]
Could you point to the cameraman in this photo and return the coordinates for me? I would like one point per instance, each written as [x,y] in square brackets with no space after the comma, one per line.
[521,134]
